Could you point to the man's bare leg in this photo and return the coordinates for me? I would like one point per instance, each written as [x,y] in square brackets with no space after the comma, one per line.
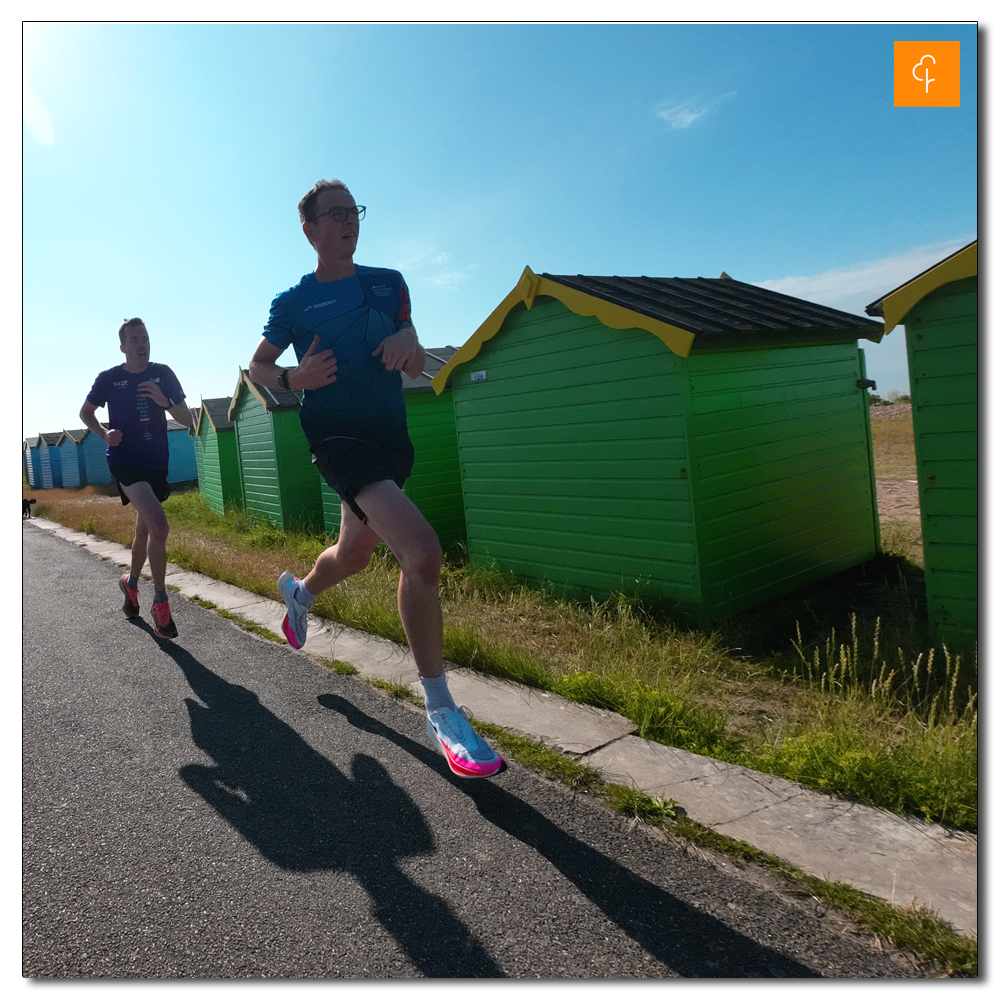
[151,531]
[394,518]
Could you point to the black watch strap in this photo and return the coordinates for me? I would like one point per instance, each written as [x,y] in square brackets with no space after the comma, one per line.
[283,378]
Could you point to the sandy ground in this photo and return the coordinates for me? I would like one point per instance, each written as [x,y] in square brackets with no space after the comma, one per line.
[888,412]
[898,502]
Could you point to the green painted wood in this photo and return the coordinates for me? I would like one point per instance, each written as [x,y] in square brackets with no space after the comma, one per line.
[572,455]
[942,352]
[218,467]
[597,459]
[278,480]
[793,501]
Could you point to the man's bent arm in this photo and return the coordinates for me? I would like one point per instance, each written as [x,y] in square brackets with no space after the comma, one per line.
[88,414]
[313,372]
[181,414]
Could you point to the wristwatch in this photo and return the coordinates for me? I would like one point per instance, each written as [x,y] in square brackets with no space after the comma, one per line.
[283,378]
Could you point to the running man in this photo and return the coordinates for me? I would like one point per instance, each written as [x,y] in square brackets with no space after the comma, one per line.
[139,394]
[350,328]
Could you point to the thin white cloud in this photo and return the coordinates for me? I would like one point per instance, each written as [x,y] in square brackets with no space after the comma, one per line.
[852,288]
[430,268]
[36,117]
[683,114]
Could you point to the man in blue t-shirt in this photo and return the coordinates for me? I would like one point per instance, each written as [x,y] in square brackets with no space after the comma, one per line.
[350,328]
[138,395]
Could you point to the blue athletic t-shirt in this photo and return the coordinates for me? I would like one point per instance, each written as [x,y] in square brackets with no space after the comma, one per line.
[351,317]
[143,424]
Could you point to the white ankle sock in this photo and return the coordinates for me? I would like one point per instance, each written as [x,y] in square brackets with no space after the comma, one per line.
[303,595]
[436,693]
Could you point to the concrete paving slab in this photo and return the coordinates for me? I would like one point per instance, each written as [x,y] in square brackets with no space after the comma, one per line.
[548,718]
[222,595]
[370,655]
[110,550]
[901,860]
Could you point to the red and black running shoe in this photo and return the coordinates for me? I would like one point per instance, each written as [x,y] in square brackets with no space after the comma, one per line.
[131,606]
[164,627]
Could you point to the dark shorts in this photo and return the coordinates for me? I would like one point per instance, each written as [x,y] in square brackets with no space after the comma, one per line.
[349,464]
[129,475]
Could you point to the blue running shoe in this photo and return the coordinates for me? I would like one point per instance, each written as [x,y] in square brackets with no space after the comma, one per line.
[467,754]
[295,624]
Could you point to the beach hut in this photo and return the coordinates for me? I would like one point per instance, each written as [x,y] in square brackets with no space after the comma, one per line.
[95,461]
[74,469]
[50,460]
[218,465]
[278,480]
[940,312]
[32,463]
[435,485]
[704,440]
[181,466]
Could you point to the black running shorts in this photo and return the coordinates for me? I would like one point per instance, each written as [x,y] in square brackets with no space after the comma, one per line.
[350,464]
[129,475]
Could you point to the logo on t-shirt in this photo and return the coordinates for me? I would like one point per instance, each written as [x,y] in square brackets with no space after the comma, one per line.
[118,385]
[382,290]
[319,305]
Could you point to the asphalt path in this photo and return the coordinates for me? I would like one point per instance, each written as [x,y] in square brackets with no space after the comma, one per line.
[220,807]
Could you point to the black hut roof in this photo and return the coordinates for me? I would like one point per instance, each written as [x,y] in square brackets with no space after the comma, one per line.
[723,312]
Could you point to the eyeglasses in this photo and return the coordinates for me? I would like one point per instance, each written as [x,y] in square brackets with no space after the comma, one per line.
[340,213]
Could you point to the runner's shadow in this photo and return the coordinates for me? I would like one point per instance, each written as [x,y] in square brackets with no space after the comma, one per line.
[691,942]
[304,815]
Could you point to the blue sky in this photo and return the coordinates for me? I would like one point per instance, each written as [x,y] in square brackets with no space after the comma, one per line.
[162,165]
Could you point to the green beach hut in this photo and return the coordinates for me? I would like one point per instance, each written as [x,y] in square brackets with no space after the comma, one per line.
[217,462]
[702,439]
[940,311]
[435,485]
[278,480]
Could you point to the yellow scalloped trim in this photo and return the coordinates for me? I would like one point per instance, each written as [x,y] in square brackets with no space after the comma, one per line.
[964,264]
[532,285]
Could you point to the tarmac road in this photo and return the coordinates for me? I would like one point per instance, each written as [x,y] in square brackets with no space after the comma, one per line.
[218,807]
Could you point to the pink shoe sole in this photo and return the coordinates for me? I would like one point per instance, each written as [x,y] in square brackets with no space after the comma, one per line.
[289,634]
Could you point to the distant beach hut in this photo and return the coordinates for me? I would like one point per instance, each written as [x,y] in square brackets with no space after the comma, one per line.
[702,439]
[940,311]
[214,437]
[74,469]
[32,463]
[95,461]
[435,485]
[277,477]
[51,460]
[181,466]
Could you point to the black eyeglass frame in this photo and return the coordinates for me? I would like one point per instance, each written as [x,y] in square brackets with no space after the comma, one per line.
[357,210]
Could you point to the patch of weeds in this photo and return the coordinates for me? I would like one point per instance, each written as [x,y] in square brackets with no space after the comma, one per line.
[337,666]
[394,690]
[540,758]
[88,525]
[463,645]
[659,713]
[912,928]
[637,804]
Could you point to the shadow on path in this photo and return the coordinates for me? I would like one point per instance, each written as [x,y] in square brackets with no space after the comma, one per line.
[301,813]
[692,943]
